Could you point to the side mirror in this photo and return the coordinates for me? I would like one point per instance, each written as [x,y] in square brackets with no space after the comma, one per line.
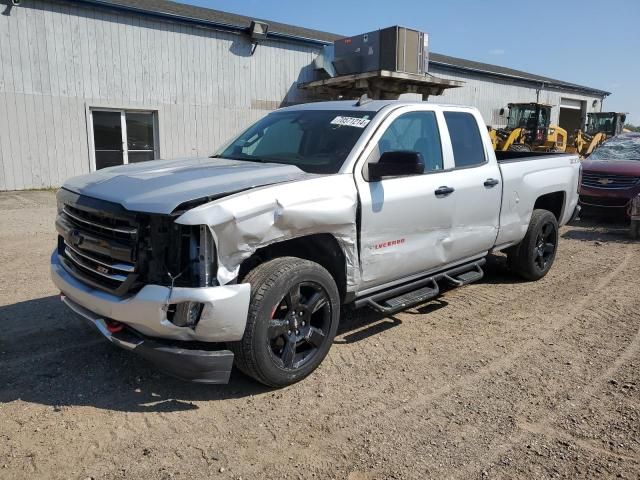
[396,164]
[501,112]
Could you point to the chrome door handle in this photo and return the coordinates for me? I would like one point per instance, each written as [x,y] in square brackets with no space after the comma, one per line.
[491,182]
[443,191]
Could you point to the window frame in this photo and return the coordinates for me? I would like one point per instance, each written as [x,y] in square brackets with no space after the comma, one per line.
[482,140]
[123,125]
[385,121]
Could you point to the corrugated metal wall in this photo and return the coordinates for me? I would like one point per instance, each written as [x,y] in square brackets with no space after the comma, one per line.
[490,94]
[57,60]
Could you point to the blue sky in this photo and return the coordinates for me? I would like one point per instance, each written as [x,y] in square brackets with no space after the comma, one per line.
[593,43]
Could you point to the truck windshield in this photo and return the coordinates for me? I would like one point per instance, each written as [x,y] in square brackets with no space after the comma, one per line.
[316,141]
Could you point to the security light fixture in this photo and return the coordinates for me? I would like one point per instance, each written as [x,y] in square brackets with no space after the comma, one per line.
[257,31]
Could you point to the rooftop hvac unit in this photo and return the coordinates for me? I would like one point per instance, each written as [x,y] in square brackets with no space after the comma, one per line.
[397,49]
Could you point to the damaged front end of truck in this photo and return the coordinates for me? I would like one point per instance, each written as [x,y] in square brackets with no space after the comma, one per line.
[168,286]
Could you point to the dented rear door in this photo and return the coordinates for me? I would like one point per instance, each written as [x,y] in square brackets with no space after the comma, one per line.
[477,184]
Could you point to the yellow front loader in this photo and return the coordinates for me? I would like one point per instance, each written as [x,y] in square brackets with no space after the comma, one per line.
[529,130]
[600,127]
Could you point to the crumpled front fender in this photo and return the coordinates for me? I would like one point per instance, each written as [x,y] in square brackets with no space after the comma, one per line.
[244,222]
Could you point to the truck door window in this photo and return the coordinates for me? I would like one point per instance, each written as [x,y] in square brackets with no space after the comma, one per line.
[417,132]
[468,149]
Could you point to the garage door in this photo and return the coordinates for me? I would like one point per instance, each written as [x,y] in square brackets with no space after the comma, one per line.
[571,103]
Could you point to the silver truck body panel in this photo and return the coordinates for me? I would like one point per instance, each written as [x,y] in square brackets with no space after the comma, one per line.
[405,228]
[223,318]
[402,229]
[245,222]
[525,181]
[160,186]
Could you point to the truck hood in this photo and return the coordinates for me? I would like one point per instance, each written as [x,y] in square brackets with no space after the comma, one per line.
[160,186]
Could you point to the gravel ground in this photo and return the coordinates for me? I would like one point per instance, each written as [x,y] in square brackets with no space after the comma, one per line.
[499,379]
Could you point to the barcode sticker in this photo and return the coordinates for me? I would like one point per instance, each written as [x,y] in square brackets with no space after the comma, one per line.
[351,121]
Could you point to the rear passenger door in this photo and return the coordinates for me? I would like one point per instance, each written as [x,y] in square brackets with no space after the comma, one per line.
[476,184]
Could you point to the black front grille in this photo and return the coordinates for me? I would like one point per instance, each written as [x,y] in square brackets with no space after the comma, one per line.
[606,181]
[110,248]
[98,243]
[111,227]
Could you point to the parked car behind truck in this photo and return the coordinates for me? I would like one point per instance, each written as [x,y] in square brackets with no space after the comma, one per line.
[249,255]
[611,175]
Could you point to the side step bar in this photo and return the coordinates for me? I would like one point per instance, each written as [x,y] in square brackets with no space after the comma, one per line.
[419,291]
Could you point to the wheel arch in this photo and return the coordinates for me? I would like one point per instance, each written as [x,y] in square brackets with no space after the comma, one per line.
[553,202]
[321,248]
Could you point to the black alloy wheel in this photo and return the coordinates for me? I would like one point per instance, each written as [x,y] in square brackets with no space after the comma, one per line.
[545,247]
[533,257]
[293,316]
[299,325]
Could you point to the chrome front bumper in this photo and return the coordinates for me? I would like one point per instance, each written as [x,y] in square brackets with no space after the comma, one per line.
[223,318]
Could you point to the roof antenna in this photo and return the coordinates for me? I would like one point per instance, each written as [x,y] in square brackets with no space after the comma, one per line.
[364,99]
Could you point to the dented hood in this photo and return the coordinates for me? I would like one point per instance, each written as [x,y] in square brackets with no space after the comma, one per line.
[160,186]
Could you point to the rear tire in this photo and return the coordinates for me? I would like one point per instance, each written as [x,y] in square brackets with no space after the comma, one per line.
[518,147]
[293,318]
[533,257]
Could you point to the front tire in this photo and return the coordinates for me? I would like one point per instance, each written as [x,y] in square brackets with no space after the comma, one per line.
[533,257]
[293,318]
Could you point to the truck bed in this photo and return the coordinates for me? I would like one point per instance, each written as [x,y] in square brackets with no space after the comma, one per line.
[509,156]
[527,176]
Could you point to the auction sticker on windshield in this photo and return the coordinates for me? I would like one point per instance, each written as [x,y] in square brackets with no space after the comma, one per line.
[350,121]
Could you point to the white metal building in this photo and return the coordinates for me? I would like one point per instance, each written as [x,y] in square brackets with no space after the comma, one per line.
[92,83]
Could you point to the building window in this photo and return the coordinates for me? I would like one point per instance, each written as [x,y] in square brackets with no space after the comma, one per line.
[123,136]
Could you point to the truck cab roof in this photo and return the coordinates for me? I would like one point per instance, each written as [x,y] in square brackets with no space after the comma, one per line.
[368,106]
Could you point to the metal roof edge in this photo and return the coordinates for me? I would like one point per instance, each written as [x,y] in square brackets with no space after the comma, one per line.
[548,82]
[271,35]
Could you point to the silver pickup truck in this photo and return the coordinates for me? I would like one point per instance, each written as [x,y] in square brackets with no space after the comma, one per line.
[248,255]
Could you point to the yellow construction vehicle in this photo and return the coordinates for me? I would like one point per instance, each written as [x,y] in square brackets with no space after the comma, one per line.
[528,129]
[600,127]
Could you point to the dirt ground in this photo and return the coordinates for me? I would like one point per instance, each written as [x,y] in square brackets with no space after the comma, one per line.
[499,379]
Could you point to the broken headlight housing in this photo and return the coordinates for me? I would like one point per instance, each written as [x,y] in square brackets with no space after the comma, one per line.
[201,269]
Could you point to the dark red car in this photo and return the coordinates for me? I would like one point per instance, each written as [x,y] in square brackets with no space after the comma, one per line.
[611,174]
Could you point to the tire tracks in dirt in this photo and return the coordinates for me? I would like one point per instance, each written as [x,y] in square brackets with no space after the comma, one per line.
[525,428]
[373,409]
